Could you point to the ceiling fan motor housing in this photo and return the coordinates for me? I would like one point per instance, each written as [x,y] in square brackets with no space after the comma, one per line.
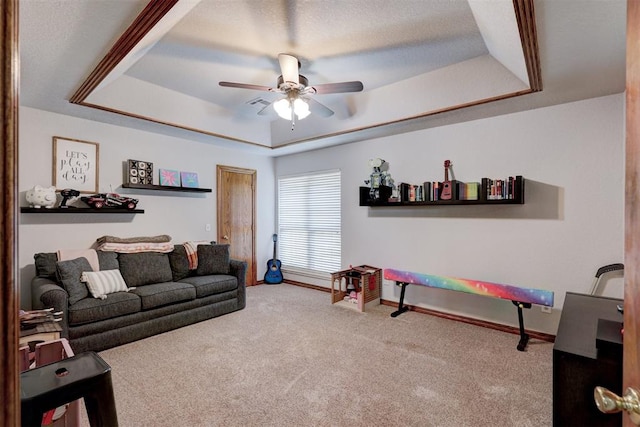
[303,82]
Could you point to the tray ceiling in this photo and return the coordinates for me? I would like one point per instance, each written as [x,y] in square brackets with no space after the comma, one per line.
[421,63]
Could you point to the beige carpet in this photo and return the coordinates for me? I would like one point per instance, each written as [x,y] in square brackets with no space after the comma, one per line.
[293,359]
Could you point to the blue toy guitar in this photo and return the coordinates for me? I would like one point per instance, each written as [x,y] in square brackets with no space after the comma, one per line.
[273,276]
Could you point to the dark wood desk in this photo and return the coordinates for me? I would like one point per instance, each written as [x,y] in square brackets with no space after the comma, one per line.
[579,365]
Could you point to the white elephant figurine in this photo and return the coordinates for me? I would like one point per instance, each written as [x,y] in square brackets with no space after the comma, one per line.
[40,196]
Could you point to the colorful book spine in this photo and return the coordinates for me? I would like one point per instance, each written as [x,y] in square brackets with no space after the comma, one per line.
[500,189]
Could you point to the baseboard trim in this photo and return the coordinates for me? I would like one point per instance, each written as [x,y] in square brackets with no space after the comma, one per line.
[456,317]
[295,283]
[307,285]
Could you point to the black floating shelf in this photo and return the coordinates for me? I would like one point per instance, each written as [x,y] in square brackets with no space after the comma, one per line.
[445,203]
[81,211]
[518,198]
[166,188]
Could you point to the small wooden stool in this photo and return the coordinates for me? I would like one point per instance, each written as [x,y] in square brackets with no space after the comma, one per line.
[82,376]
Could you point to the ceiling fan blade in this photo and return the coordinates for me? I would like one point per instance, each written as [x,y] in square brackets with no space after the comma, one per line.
[354,86]
[245,86]
[317,108]
[289,68]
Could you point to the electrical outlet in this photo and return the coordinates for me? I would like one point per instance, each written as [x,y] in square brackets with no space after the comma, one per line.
[207,227]
[545,309]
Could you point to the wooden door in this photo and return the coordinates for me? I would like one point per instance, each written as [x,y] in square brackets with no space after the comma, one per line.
[236,214]
[631,370]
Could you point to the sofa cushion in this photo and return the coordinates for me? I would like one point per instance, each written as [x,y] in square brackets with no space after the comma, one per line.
[213,259]
[102,283]
[69,274]
[144,268]
[45,263]
[211,285]
[179,262]
[108,260]
[93,310]
[159,294]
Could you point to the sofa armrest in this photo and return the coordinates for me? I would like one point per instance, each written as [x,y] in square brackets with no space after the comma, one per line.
[45,293]
[239,270]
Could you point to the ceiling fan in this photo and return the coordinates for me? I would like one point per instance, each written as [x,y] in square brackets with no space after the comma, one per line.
[295,87]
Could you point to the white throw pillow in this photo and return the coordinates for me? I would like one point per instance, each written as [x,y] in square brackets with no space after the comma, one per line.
[101,283]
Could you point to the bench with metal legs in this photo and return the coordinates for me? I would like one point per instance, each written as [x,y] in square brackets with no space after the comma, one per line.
[520,297]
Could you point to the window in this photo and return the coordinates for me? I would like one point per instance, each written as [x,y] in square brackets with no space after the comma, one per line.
[309,233]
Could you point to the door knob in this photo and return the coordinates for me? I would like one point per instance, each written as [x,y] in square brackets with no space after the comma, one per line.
[225,237]
[610,403]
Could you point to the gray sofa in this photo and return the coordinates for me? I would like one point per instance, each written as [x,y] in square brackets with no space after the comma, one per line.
[167,294]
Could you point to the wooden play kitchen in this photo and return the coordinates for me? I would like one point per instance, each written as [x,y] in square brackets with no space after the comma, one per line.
[356,286]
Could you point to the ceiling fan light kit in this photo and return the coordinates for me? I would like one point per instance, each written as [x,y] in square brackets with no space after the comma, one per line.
[284,108]
[295,87]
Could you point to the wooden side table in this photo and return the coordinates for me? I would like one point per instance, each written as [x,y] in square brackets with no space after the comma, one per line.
[49,331]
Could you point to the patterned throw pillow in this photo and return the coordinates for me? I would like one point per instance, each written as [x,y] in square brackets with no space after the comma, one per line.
[101,283]
[213,259]
[69,273]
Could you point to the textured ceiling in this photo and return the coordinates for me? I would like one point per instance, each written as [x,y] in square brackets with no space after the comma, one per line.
[416,58]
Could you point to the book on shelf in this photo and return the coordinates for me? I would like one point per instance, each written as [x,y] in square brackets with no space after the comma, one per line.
[426,191]
[468,190]
[403,194]
[500,188]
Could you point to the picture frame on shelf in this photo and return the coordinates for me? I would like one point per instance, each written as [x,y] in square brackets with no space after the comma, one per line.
[169,178]
[75,164]
[189,179]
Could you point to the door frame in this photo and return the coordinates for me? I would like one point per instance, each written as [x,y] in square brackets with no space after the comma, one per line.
[220,169]
[9,288]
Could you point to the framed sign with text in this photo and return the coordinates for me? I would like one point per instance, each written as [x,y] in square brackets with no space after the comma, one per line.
[75,164]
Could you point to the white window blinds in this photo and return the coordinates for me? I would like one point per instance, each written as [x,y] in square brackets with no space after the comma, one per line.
[309,233]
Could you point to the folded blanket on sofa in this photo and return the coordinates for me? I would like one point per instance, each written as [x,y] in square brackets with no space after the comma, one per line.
[162,238]
[130,248]
[191,247]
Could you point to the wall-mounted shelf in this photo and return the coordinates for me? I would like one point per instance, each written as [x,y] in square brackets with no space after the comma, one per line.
[81,211]
[166,188]
[517,198]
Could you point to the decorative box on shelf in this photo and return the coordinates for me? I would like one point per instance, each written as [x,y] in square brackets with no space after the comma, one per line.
[356,287]
[380,195]
[138,172]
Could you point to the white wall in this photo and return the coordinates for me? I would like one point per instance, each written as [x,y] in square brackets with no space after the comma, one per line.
[572,157]
[181,215]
